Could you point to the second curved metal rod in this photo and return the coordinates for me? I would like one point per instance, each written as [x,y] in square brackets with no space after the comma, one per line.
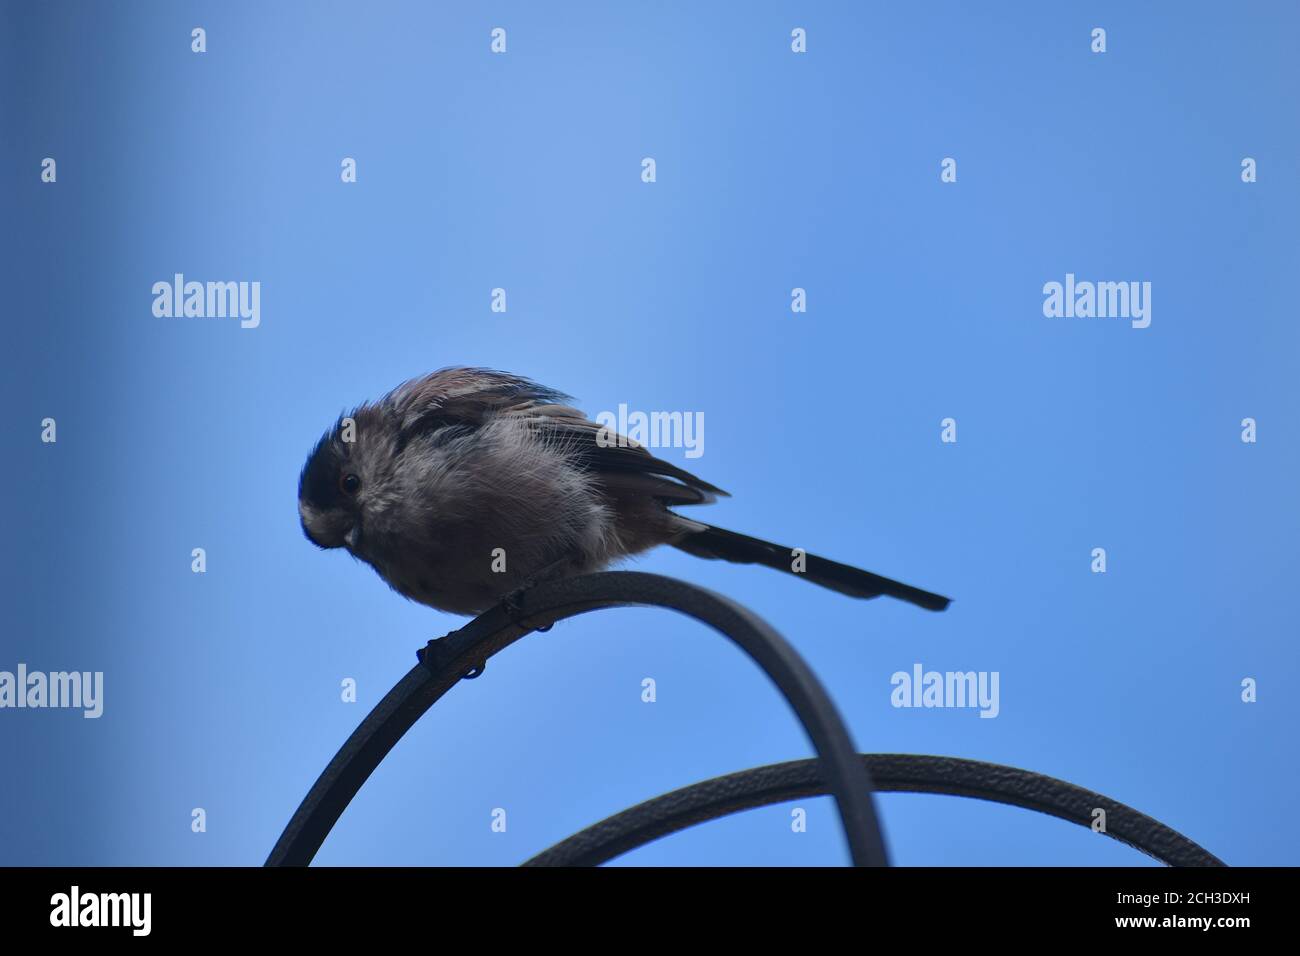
[463,653]
[906,773]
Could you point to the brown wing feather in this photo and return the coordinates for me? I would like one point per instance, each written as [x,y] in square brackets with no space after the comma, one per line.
[466,397]
[620,462]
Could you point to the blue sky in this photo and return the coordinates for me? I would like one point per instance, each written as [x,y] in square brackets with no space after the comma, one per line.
[774,171]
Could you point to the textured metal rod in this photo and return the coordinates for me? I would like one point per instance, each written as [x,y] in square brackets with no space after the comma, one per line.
[464,652]
[909,773]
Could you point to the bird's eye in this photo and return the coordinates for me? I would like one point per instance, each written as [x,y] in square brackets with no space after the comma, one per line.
[350,484]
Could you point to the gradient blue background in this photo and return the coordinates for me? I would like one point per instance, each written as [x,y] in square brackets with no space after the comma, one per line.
[774,171]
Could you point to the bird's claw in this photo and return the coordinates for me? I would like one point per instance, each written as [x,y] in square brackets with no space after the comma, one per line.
[430,656]
[514,607]
[513,603]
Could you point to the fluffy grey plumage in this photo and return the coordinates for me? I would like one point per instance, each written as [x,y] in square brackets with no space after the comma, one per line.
[447,468]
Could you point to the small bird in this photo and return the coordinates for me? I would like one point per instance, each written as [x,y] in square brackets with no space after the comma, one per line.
[465,485]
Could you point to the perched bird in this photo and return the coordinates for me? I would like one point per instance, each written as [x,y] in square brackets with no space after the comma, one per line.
[466,484]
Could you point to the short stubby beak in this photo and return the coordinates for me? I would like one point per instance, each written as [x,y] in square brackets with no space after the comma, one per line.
[353,537]
[322,529]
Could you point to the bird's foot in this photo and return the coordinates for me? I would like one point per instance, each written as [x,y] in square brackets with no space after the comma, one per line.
[431,657]
[514,606]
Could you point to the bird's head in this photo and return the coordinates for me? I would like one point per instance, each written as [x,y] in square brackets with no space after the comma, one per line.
[340,476]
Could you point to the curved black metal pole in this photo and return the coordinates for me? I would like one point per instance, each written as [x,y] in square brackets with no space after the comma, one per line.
[464,652]
[909,773]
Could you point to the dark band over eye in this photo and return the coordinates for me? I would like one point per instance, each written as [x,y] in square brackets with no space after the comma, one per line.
[349,484]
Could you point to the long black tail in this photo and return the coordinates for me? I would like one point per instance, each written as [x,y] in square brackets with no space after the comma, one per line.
[714,542]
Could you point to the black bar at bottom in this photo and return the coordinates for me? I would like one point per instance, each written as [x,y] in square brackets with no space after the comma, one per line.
[303,906]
